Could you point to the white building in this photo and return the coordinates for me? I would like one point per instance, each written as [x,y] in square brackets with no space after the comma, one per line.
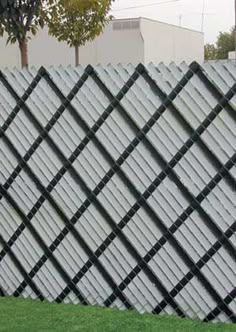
[123,41]
[144,40]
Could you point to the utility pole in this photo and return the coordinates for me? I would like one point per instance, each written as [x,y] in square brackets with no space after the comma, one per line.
[203,16]
[180,19]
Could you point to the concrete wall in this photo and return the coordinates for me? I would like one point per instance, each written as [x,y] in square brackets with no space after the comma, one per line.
[9,55]
[43,50]
[167,43]
[122,43]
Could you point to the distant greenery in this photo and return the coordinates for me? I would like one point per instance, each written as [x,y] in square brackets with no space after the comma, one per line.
[17,315]
[225,43]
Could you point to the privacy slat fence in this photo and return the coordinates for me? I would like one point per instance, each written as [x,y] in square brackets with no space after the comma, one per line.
[118,187]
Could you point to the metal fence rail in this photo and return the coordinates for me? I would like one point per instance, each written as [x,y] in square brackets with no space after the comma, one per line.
[118,187]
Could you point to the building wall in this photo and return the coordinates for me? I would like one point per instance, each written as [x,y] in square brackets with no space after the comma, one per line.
[43,50]
[167,43]
[122,43]
[9,54]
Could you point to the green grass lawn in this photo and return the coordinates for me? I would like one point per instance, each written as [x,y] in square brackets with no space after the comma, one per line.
[24,315]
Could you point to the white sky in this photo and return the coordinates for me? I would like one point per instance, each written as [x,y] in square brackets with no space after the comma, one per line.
[219,14]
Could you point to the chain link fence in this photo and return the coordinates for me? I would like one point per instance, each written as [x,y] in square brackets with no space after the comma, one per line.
[118,187]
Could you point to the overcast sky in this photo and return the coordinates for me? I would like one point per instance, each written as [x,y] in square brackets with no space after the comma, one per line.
[219,14]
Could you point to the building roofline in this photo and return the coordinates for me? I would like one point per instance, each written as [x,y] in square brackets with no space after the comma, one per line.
[155,21]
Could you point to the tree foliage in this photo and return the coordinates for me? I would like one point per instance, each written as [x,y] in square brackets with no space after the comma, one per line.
[78,21]
[20,19]
[225,43]
[210,52]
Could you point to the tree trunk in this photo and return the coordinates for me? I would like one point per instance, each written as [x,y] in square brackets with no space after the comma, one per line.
[24,54]
[76,56]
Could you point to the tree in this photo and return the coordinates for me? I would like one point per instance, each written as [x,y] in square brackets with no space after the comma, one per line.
[225,43]
[78,21]
[19,19]
[210,52]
